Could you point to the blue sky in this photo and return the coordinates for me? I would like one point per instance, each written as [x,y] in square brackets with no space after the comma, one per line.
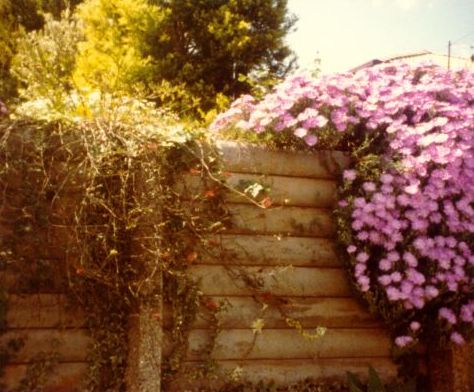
[347,33]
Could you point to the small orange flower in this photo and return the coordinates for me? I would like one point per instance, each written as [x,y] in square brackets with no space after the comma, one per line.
[266,202]
[211,305]
[191,257]
[80,271]
[266,296]
[210,193]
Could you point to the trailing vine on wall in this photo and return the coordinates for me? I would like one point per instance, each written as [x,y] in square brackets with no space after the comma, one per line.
[117,230]
[101,183]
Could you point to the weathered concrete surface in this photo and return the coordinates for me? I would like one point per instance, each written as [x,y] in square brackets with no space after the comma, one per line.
[144,359]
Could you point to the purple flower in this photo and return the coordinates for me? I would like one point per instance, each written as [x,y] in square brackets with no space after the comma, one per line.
[362,257]
[385,264]
[368,186]
[384,280]
[386,178]
[448,315]
[403,200]
[431,292]
[423,116]
[349,175]
[351,249]
[457,338]
[357,225]
[410,259]
[393,293]
[402,341]
[393,256]
[360,269]
[396,276]
[342,203]
[359,202]
[412,189]
[467,313]
[364,283]
[300,132]
[310,140]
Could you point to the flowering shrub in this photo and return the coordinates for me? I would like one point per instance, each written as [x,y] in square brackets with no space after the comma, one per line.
[406,211]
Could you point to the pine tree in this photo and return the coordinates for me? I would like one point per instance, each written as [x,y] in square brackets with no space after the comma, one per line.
[210,44]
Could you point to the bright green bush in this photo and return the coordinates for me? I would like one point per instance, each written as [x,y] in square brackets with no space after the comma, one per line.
[115,56]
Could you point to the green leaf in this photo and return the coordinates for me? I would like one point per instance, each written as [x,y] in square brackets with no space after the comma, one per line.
[354,383]
[375,384]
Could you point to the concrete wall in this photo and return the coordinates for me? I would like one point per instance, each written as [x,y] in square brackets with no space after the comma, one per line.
[273,263]
[289,249]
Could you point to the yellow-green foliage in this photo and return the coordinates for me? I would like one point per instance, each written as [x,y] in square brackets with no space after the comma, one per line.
[45,60]
[190,56]
[22,16]
[115,55]
[6,29]
[7,24]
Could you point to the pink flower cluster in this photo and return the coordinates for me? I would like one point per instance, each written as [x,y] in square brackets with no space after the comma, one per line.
[412,228]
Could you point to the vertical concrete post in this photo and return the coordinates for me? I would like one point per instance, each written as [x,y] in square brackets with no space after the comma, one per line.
[145,325]
[144,359]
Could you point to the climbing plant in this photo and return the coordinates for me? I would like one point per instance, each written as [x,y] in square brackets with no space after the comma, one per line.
[116,177]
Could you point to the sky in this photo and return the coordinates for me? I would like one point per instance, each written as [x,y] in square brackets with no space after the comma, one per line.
[348,33]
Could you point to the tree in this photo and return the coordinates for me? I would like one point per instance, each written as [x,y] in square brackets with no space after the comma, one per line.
[184,52]
[115,56]
[210,44]
[30,13]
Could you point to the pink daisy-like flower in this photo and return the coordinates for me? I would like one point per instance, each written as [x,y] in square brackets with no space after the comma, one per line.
[351,249]
[457,338]
[310,140]
[349,175]
[369,186]
[300,132]
[402,341]
[362,257]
